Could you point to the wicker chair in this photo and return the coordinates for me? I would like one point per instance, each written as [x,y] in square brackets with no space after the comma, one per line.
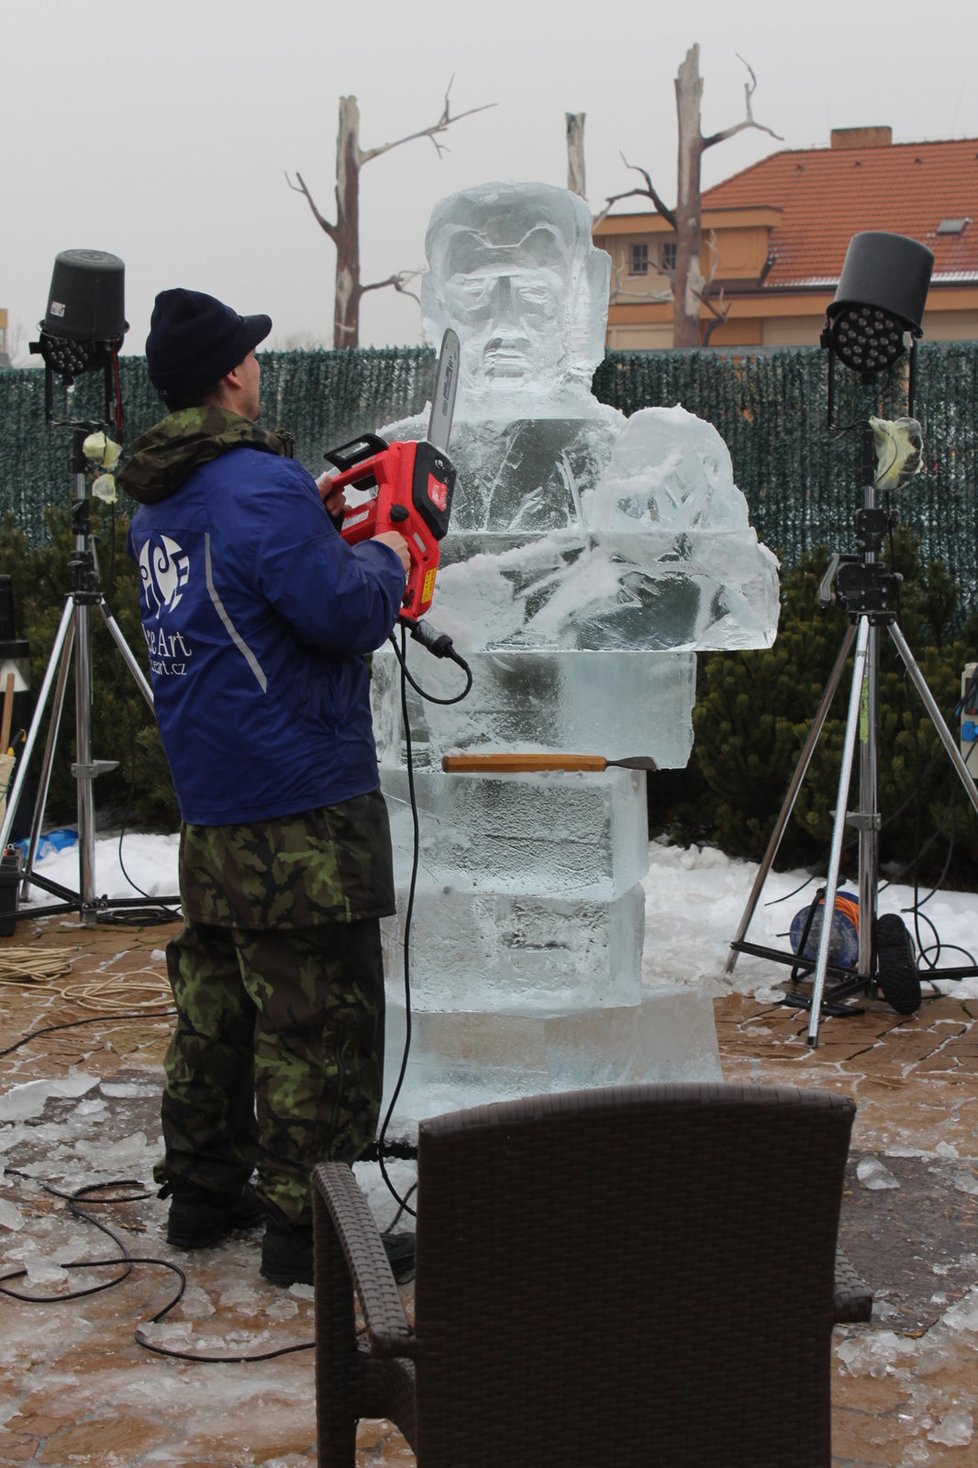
[649,1268]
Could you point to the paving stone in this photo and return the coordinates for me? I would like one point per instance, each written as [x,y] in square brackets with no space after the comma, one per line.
[97,1440]
[15,1447]
[868,1394]
[379,1442]
[37,1424]
[869,1440]
[965,1046]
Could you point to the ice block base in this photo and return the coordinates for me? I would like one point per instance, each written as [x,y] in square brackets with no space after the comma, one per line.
[460,1059]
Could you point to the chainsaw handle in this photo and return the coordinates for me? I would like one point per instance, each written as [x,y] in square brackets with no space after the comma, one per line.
[354,452]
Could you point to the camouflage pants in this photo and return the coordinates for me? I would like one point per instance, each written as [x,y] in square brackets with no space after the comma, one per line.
[277,1056]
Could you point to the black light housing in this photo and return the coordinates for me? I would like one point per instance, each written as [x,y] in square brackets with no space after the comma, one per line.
[85,319]
[878,308]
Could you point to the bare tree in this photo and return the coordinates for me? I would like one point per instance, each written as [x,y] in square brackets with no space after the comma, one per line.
[345,230]
[690,287]
[575,153]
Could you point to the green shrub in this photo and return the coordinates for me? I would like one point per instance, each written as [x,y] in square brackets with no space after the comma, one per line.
[754,711]
[138,793]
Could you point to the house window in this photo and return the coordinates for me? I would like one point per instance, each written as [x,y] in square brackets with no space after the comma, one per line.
[638,259]
[667,255]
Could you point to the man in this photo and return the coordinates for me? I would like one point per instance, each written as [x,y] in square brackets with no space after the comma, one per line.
[258,619]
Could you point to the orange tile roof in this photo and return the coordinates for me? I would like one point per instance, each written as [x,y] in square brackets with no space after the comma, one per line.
[827,195]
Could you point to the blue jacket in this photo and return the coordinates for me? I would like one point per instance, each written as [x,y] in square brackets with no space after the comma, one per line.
[257,618]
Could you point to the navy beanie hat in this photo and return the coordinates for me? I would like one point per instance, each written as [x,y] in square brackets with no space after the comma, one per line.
[194,340]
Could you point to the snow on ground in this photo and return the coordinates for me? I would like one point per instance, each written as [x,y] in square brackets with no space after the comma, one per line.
[137,865]
[695,899]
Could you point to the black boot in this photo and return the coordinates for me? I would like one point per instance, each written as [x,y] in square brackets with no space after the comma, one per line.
[286,1250]
[199,1218]
[896,963]
[400,1255]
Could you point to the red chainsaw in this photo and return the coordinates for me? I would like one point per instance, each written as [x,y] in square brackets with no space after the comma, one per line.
[410,486]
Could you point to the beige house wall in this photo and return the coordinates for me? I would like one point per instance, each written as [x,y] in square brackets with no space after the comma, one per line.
[950,326]
[641,338]
[792,331]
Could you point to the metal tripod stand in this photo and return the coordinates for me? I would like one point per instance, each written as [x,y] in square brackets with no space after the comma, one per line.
[868,590]
[73,637]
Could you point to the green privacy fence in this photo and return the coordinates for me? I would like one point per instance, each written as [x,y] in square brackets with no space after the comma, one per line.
[323,398]
[801,480]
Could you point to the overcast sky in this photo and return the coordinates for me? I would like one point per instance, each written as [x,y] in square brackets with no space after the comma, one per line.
[163,133]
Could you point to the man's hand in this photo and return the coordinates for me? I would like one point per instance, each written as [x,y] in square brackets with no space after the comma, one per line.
[333,499]
[335,502]
[397,543]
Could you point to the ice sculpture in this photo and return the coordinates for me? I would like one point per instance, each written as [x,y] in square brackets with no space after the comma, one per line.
[589,559]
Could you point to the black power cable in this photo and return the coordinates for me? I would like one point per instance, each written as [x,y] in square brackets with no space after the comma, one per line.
[441,646]
[125,1262]
[92,1020]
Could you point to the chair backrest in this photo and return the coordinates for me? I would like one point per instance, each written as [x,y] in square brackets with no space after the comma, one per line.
[641,1274]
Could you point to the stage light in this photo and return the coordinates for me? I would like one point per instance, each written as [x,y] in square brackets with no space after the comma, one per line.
[84,325]
[878,308]
[85,319]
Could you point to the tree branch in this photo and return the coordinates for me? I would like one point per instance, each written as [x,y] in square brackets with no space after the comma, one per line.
[444,122]
[301,188]
[720,312]
[719,316]
[750,87]
[399,281]
[649,192]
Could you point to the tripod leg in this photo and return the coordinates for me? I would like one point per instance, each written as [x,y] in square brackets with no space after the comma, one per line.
[86,769]
[83,768]
[115,632]
[944,734]
[60,655]
[856,695]
[801,770]
[867,821]
[47,761]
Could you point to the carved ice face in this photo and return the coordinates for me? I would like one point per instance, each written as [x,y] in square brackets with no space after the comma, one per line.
[510,320]
[513,270]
